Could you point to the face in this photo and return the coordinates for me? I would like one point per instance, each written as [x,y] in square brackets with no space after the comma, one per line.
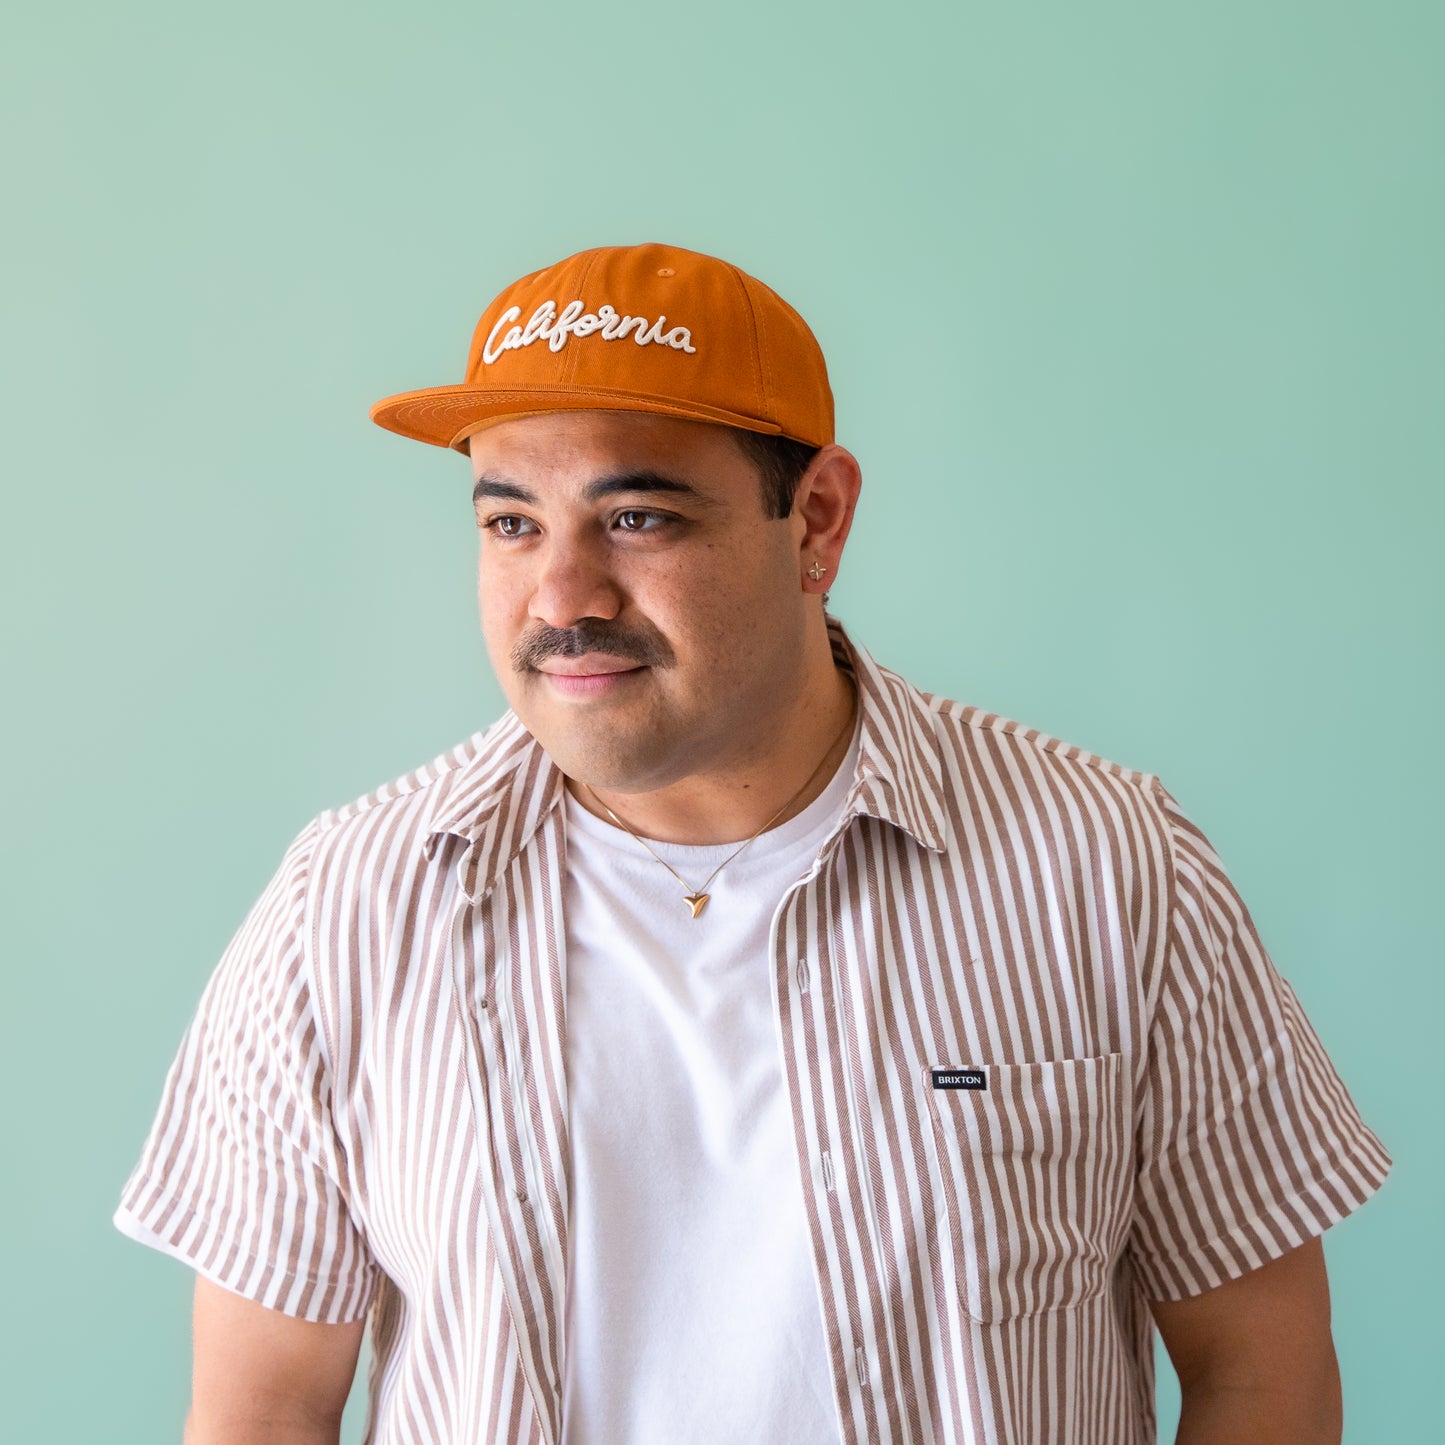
[643,616]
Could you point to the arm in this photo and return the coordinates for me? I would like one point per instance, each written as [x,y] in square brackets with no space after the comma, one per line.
[1255,1357]
[261,1377]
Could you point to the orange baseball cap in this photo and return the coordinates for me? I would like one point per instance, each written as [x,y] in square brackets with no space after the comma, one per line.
[632,328]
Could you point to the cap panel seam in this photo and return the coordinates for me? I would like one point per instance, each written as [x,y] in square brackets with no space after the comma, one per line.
[814,350]
[765,354]
[761,392]
[569,368]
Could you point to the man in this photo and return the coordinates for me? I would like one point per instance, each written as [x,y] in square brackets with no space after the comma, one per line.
[733,1042]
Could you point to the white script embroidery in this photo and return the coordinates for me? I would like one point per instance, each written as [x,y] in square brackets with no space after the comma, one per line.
[546,325]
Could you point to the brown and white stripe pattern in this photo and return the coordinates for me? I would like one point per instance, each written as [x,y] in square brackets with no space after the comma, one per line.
[369,1110]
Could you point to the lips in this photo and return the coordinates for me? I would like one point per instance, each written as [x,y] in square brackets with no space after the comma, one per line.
[593,675]
[594,664]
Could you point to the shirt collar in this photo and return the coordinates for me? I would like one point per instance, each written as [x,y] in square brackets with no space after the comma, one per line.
[499,795]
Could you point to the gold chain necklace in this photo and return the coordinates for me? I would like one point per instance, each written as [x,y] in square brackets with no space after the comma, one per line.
[696,898]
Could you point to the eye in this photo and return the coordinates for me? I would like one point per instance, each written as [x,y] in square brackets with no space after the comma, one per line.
[506,526]
[633,520]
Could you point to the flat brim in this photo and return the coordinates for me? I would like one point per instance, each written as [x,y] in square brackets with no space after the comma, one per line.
[445,416]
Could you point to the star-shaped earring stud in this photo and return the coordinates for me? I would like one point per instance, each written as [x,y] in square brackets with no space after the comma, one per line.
[816,571]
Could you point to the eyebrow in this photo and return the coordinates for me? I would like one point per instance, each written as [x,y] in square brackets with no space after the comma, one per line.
[500,489]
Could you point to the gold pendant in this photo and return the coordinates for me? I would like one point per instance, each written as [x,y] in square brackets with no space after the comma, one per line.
[696,901]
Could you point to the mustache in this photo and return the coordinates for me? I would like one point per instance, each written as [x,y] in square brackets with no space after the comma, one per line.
[592,634]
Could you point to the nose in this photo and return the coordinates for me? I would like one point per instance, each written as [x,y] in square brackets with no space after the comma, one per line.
[572,583]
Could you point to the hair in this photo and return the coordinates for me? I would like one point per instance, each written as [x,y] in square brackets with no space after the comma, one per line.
[780,463]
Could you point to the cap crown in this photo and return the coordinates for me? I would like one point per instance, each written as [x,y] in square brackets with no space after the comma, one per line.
[643,328]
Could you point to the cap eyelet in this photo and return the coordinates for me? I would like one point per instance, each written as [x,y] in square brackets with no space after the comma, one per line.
[667,271]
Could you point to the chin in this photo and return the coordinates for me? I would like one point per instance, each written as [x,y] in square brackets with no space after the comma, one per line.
[598,760]
[616,775]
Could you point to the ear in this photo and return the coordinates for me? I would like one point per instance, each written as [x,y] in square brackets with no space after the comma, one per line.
[822,515]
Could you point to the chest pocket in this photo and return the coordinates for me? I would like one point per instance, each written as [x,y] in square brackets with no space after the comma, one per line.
[1036,1180]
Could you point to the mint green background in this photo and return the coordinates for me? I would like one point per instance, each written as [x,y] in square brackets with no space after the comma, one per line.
[1134,319]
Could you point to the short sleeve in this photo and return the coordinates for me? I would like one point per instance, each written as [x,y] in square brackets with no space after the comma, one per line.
[242,1175]
[1248,1143]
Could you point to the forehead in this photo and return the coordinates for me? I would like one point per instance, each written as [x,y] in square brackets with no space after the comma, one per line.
[571,448]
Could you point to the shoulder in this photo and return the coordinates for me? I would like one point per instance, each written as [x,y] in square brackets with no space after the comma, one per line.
[406,810]
[411,792]
[966,731]
[974,729]
[378,892]
[988,778]
[1004,779]
[906,714]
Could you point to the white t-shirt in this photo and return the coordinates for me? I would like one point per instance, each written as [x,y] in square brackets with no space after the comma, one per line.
[692,1309]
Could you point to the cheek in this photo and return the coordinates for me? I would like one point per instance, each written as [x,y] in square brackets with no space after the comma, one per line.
[500,590]
[732,605]
[501,609]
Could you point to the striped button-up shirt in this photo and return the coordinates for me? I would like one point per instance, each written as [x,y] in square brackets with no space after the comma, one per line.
[369,1111]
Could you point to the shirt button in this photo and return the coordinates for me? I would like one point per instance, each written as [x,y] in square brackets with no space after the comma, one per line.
[483,1002]
[521,1196]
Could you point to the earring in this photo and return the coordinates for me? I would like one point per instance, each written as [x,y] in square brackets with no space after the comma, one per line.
[816,571]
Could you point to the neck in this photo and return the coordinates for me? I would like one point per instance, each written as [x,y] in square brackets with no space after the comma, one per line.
[727,807]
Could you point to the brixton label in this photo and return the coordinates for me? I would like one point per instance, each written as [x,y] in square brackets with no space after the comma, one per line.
[959,1078]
